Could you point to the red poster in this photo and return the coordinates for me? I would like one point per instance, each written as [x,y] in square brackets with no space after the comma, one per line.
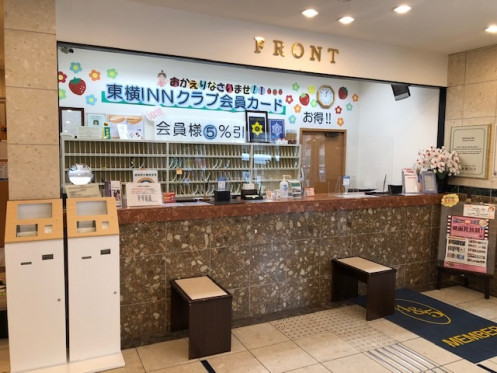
[468,227]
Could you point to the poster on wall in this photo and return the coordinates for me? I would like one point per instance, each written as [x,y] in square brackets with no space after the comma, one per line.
[93,128]
[95,120]
[277,129]
[126,127]
[170,128]
[257,126]
[192,101]
[472,145]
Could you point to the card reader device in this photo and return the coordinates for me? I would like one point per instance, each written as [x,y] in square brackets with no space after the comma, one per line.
[294,188]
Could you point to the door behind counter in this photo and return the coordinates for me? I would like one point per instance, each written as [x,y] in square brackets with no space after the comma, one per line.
[323,159]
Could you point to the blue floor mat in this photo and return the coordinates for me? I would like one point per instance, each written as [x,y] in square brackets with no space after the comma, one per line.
[469,336]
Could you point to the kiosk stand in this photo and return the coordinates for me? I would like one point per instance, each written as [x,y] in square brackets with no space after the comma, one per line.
[93,283]
[34,260]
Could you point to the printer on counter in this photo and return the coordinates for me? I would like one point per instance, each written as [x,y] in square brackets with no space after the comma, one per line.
[249,192]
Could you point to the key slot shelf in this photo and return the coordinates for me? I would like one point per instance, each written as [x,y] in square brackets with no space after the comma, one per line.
[189,170]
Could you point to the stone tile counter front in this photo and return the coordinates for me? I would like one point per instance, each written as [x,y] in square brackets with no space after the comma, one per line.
[271,255]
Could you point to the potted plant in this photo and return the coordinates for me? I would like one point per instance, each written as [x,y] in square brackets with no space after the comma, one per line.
[442,162]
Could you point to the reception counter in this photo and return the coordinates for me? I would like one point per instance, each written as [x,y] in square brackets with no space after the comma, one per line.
[321,202]
[271,255]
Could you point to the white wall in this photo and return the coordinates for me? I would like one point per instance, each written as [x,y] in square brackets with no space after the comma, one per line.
[383,135]
[392,132]
[128,25]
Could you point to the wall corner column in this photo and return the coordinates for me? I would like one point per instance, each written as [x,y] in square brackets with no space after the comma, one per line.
[32,99]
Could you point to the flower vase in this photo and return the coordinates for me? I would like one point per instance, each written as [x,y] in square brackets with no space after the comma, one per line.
[442,182]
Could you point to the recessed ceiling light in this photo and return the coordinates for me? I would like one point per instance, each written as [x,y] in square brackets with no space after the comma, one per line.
[346,20]
[402,9]
[309,13]
[492,29]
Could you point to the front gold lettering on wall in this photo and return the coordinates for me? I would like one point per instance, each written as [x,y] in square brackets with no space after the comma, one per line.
[315,53]
[278,48]
[259,44]
[298,50]
[332,52]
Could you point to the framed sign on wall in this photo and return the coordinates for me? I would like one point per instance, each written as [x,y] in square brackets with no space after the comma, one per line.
[472,146]
[257,126]
[70,118]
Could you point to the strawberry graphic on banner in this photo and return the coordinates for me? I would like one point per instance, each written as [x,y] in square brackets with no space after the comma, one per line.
[77,86]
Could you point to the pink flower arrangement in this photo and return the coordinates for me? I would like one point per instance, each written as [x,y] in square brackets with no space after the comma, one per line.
[440,160]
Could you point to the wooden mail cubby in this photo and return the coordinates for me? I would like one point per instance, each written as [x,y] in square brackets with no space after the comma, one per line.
[189,170]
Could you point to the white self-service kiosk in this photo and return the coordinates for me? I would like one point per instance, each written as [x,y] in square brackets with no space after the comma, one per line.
[93,282]
[34,262]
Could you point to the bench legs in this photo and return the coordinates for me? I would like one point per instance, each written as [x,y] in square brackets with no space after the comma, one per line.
[381,295]
[380,289]
[208,322]
[179,311]
[210,327]
[343,286]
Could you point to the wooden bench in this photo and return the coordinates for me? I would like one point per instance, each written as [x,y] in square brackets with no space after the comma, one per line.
[380,280]
[203,307]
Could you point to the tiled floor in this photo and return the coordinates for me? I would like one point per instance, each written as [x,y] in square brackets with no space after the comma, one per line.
[336,340]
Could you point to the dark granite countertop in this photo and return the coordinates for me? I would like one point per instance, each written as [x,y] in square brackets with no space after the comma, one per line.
[320,202]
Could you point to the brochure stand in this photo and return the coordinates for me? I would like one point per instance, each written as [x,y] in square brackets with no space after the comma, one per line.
[34,260]
[93,282]
[467,242]
[409,181]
